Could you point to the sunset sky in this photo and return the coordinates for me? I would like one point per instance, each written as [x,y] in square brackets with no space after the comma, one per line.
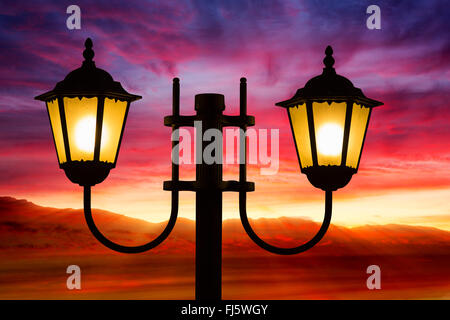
[404,176]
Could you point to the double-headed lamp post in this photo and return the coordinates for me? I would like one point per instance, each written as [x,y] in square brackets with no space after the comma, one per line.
[329,119]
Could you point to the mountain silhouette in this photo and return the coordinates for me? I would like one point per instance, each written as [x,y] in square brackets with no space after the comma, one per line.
[38,243]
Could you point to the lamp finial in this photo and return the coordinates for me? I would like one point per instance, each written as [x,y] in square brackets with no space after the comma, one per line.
[328,61]
[88,53]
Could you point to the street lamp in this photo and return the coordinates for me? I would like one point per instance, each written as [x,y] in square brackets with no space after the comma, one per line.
[87,112]
[329,119]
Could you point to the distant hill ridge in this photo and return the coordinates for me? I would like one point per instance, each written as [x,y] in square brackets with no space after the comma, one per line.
[25,225]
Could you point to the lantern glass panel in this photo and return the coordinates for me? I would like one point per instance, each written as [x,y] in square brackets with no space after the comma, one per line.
[360,116]
[55,121]
[113,122]
[329,124]
[299,123]
[81,119]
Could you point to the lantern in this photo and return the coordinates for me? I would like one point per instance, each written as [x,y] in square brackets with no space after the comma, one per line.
[329,119]
[87,113]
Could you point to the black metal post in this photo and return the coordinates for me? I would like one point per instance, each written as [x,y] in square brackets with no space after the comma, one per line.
[208,256]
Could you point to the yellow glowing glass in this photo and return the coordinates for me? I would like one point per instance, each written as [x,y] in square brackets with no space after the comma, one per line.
[55,121]
[329,122]
[81,115]
[81,118]
[360,115]
[299,122]
[329,139]
[113,121]
[84,134]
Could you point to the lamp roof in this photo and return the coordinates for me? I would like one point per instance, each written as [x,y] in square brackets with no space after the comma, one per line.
[88,80]
[329,86]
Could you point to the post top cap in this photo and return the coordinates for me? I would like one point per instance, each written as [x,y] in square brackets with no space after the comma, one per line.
[209,101]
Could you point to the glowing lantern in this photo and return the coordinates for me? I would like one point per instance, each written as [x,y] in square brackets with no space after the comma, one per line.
[87,112]
[329,119]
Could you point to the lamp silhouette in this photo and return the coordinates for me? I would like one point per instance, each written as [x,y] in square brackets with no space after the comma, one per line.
[328,117]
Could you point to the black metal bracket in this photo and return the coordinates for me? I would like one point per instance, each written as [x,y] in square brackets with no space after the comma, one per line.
[227,121]
[230,185]
[242,121]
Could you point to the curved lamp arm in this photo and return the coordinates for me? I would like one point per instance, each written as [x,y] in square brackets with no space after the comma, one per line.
[243,194]
[128,249]
[174,211]
[285,251]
